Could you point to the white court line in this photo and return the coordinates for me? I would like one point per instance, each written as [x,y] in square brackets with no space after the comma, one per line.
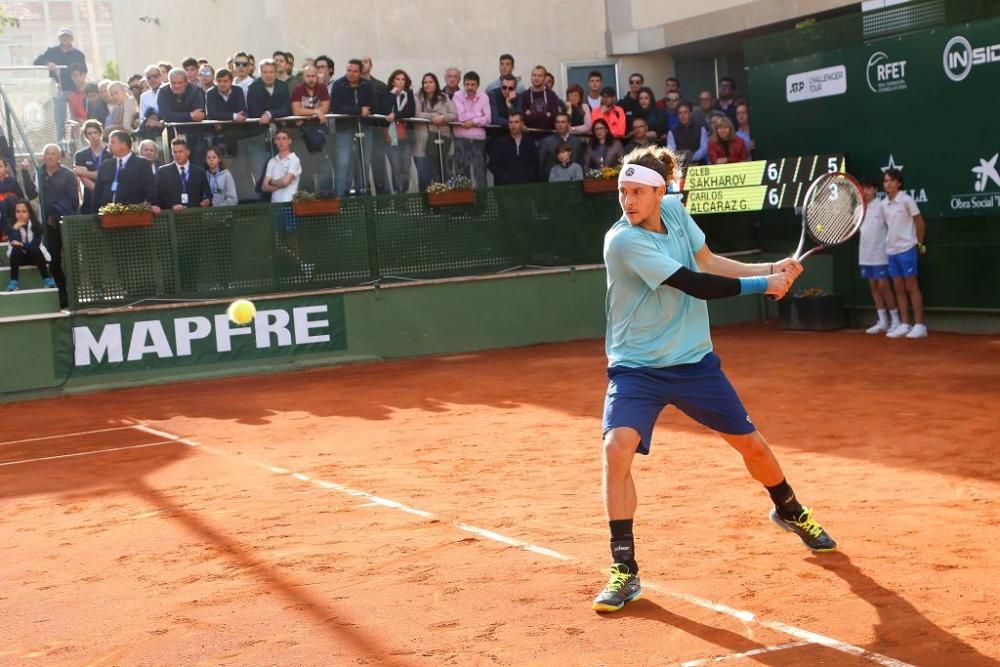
[745,616]
[66,435]
[96,451]
[745,654]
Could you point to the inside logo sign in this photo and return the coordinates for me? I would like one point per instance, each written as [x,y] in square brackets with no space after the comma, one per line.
[959,57]
[885,75]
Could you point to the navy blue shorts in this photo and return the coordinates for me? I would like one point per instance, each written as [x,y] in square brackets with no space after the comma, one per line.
[637,396]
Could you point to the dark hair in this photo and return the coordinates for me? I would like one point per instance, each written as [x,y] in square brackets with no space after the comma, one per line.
[223,74]
[437,89]
[91,88]
[593,139]
[507,56]
[561,113]
[397,72]
[684,103]
[642,79]
[356,61]
[91,123]
[36,226]
[509,77]
[894,174]
[564,147]
[471,76]
[595,73]
[519,114]
[328,59]
[163,64]
[278,53]
[134,77]
[180,141]
[122,136]
[240,53]
[189,62]
[674,78]
[284,132]
[649,91]
[79,67]
[221,152]
[289,57]
[608,90]
[659,159]
[728,80]
[866,182]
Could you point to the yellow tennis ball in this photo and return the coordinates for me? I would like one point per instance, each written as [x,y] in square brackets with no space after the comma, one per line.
[241,311]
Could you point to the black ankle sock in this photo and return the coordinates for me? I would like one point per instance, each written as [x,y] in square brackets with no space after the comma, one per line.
[784,500]
[623,544]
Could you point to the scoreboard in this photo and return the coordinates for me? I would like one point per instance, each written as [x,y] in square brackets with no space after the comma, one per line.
[754,186]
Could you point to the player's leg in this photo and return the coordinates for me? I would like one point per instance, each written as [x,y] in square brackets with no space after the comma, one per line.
[633,402]
[919,329]
[708,397]
[620,502]
[899,287]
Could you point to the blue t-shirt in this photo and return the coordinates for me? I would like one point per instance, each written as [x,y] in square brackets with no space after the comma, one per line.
[648,323]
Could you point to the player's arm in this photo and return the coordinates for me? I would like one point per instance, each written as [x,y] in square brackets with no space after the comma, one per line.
[709,262]
[708,286]
[918,220]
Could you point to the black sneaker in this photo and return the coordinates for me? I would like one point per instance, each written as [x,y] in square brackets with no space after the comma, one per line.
[622,587]
[808,530]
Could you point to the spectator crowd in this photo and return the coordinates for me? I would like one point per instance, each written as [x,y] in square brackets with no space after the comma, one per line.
[518,131]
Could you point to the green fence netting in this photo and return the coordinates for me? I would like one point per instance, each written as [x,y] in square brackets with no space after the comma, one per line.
[264,248]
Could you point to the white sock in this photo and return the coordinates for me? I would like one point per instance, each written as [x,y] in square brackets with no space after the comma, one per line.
[894,314]
[883,317]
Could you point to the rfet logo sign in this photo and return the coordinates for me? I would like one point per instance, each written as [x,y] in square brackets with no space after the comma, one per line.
[816,83]
[884,74]
[960,57]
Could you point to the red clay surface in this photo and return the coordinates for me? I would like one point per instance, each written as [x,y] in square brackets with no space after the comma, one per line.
[181,555]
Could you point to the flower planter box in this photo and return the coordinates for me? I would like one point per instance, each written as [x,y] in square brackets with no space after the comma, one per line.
[812,313]
[451,197]
[598,185]
[124,220]
[316,207]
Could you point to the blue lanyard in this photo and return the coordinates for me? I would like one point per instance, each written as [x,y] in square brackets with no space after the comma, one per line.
[98,159]
[215,182]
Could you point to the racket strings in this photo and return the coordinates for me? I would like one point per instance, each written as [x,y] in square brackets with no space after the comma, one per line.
[833,210]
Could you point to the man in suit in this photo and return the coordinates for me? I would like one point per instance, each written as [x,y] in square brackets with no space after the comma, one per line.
[126,179]
[180,184]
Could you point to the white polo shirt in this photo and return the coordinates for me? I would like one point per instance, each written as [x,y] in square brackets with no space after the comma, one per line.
[901,232]
[871,250]
[277,168]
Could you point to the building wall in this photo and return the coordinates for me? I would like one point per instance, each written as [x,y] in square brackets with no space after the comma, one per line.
[418,36]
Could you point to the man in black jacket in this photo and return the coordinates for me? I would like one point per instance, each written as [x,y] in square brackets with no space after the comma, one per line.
[348,95]
[224,101]
[513,158]
[182,102]
[180,184]
[375,136]
[127,178]
[267,98]
[504,100]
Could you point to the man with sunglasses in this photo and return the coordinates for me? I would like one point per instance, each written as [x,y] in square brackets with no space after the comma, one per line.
[504,100]
[630,103]
[241,65]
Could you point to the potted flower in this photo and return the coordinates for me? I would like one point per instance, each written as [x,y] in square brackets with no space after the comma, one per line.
[315,203]
[118,216]
[812,309]
[600,180]
[458,190]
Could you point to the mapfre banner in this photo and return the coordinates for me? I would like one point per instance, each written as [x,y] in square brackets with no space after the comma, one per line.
[199,335]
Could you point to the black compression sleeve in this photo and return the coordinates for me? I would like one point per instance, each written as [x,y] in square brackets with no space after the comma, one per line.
[703,285]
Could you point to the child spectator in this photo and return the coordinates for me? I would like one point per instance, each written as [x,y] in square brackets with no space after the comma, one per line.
[566,170]
[220,181]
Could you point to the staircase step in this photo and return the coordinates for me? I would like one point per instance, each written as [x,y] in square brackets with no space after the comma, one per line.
[29,302]
[30,278]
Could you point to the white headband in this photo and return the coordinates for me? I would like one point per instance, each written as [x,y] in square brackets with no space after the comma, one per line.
[636,173]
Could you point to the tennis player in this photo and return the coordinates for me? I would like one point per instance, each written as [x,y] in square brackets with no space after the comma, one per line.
[660,272]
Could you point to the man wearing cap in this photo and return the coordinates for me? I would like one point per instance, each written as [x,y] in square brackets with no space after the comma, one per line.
[62,55]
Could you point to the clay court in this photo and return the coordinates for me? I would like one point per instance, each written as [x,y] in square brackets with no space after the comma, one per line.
[448,511]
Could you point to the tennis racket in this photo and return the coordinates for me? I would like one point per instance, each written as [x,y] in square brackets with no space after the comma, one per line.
[832,211]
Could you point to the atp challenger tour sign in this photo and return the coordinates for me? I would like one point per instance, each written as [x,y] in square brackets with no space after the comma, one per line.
[199,335]
[756,185]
